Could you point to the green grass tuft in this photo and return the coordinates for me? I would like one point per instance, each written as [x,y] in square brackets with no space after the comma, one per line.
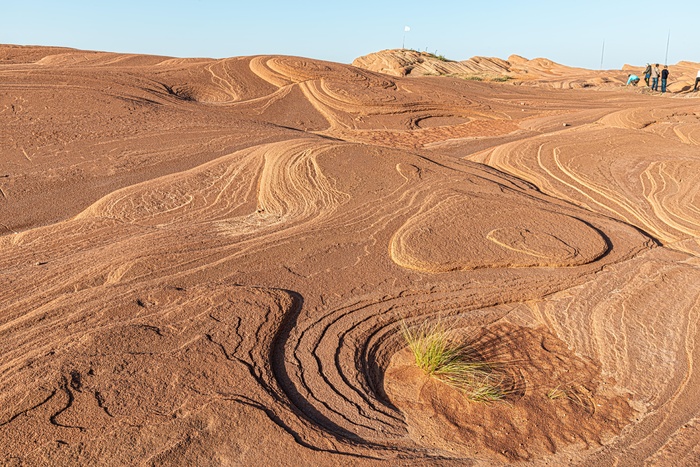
[431,348]
[441,356]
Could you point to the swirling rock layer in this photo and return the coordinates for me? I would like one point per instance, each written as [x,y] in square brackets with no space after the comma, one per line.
[210,262]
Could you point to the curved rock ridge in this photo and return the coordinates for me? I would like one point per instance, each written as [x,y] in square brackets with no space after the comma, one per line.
[469,232]
[215,262]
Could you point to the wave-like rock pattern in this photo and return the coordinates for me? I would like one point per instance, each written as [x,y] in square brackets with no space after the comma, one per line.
[209,261]
[625,178]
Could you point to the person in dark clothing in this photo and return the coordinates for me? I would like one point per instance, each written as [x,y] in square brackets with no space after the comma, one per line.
[697,80]
[664,78]
[647,74]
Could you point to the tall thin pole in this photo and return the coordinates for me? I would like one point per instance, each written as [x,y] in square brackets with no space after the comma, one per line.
[668,40]
[602,52]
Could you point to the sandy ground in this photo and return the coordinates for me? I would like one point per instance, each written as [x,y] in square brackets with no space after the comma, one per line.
[209,262]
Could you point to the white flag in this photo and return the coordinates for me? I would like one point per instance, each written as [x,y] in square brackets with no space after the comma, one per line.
[406,29]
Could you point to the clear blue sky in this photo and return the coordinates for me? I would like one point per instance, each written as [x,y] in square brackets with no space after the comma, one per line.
[568,32]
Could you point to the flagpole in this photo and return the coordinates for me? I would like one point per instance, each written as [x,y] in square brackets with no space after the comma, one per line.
[602,52]
[668,40]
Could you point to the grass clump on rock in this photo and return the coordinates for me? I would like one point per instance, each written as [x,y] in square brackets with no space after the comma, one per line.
[441,356]
[575,393]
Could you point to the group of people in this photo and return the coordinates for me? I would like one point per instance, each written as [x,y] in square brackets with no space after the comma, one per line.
[653,73]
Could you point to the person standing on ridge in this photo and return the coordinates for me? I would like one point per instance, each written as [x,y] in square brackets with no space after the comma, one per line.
[664,78]
[655,78]
[697,80]
[647,74]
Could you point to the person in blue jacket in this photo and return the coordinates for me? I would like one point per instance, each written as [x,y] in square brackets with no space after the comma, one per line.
[632,79]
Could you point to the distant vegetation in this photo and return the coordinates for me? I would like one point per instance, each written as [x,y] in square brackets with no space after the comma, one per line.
[440,57]
[435,56]
[483,77]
